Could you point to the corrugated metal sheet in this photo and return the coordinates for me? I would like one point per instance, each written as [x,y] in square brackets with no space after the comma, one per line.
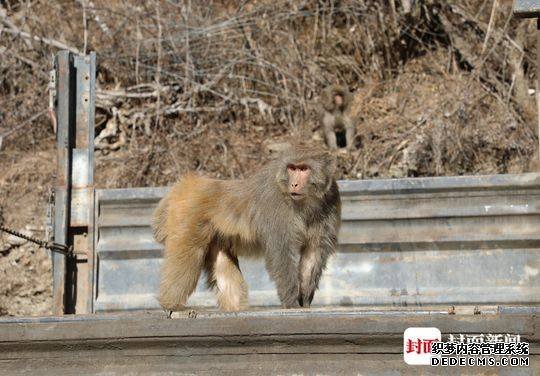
[527,8]
[455,240]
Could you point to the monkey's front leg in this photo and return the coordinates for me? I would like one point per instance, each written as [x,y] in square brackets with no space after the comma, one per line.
[331,139]
[328,123]
[312,263]
[282,264]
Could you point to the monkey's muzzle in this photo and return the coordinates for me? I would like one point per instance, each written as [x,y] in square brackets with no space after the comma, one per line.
[297,196]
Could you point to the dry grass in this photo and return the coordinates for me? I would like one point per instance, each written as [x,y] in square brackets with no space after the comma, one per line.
[193,85]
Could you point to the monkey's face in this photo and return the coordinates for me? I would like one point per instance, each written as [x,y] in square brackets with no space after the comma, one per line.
[298,180]
[306,178]
[338,100]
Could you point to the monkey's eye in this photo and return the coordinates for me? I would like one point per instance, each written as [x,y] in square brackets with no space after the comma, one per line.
[294,167]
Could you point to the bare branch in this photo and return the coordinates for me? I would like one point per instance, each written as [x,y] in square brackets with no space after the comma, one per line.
[12,29]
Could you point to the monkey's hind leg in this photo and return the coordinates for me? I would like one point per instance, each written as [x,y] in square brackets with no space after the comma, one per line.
[223,273]
[180,273]
[350,132]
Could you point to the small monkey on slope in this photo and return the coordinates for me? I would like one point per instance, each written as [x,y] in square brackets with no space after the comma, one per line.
[289,213]
[335,122]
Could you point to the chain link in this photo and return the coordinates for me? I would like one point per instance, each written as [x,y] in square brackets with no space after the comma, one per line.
[53,247]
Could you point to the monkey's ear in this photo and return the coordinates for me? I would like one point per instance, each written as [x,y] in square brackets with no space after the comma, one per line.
[277,150]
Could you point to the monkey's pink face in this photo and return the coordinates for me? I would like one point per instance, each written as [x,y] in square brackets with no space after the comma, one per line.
[338,100]
[298,180]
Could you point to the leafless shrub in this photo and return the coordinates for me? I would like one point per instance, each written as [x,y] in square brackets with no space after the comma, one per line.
[201,84]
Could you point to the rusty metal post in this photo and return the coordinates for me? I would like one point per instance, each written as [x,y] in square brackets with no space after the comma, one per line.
[64,121]
[74,194]
[82,208]
[531,9]
[537,91]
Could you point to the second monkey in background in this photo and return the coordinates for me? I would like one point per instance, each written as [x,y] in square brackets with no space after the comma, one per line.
[338,128]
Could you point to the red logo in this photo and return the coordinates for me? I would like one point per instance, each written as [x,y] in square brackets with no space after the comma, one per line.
[419,346]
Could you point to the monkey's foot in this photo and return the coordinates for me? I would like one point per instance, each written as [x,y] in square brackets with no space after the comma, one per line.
[303,303]
[293,305]
[169,314]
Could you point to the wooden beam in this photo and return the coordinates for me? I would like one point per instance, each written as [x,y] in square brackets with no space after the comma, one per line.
[335,341]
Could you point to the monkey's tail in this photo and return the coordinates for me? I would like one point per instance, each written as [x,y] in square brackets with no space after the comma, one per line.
[159,220]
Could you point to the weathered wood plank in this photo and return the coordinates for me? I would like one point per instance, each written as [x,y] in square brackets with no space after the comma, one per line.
[249,364]
[262,323]
[326,340]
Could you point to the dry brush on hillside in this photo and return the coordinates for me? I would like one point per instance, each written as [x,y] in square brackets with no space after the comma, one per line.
[441,87]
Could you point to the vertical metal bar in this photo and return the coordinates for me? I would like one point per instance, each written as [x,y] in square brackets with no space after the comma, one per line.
[537,91]
[95,261]
[64,121]
[84,135]
[74,189]
[91,193]
[83,176]
[78,289]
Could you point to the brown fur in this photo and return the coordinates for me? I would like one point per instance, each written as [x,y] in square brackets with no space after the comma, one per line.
[206,224]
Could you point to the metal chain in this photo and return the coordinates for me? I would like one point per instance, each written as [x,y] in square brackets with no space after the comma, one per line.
[53,247]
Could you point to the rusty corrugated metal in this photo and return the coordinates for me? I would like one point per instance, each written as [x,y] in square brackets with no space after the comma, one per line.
[451,240]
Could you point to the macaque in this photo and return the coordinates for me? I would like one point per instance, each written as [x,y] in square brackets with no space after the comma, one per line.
[337,125]
[288,213]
